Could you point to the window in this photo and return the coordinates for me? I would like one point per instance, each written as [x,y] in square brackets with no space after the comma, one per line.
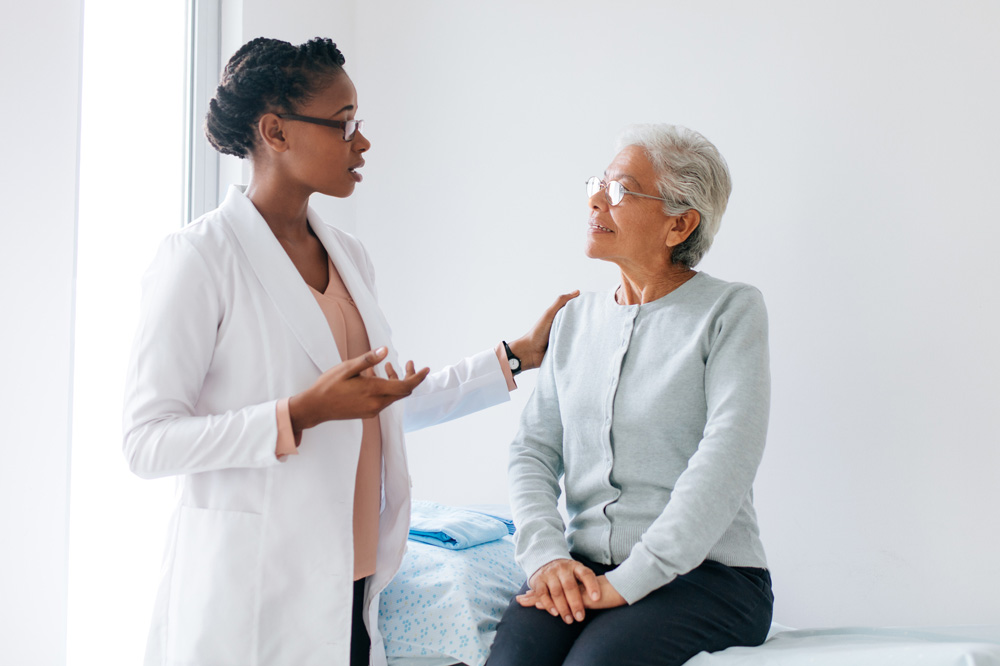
[132,193]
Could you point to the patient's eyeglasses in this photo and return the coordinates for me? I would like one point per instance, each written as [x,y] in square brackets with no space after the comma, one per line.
[350,127]
[613,190]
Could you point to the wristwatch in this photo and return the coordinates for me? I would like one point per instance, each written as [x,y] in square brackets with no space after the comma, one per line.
[513,361]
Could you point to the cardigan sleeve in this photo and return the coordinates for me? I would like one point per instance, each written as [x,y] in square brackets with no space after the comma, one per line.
[180,314]
[720,474]
[536,464]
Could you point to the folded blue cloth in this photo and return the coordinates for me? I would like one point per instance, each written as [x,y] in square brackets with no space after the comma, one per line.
[453,528]
[504,519]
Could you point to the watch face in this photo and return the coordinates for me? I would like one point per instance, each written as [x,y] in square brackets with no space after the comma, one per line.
[515,364]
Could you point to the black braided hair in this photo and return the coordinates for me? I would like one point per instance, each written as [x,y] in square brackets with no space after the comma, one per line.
[265,75]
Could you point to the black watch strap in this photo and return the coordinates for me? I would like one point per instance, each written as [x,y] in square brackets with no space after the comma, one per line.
[513,361]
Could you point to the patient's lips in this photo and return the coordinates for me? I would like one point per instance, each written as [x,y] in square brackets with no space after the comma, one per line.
[596,228]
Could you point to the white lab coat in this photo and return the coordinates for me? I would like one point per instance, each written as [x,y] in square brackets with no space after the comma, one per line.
[258,569]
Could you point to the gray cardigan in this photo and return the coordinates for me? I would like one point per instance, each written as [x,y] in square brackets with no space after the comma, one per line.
[656,415]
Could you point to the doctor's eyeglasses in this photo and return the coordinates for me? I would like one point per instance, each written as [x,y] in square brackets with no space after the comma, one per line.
[350,127]
[613,191]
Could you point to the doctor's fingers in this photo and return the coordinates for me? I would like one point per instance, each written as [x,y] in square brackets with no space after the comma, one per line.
[355,366]
[391,371]
[562,300]
[397,388]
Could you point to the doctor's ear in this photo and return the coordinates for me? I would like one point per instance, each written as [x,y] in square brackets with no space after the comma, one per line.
[269,127]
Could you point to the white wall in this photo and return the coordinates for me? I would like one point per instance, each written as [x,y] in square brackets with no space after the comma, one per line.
[40,47]
[863,143]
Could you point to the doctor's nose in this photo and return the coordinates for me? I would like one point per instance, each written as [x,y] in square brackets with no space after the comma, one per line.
[360,143]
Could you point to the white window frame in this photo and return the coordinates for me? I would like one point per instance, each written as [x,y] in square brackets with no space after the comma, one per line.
[204,63]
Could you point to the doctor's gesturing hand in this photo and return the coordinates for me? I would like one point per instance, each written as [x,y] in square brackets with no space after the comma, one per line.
[350,390]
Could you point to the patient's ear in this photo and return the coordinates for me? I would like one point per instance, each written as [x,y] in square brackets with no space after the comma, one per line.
[682,226]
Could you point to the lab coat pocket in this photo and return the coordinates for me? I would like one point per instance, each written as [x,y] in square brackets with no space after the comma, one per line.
[214,591]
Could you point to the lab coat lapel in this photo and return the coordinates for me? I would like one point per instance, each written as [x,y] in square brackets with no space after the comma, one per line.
[281,280]
[375,322]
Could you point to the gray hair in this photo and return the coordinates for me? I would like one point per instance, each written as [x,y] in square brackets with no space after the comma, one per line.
[691,173]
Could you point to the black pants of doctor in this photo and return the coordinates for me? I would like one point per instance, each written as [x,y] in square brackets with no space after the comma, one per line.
[708,609]
[361,643]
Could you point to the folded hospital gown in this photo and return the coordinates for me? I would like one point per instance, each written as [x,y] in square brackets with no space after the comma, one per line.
[454,528]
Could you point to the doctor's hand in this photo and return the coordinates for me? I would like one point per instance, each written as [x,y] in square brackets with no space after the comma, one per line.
[350,390]
[563,588]
[531,346]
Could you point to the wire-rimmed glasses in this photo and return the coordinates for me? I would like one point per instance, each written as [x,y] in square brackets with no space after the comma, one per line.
[350,127]
[613,190]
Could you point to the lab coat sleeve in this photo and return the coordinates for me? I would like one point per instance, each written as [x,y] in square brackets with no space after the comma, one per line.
[474,383]
[179,320]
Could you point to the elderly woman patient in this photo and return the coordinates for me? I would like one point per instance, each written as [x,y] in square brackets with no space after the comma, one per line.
[652,402]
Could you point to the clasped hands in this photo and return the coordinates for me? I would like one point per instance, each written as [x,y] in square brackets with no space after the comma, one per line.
[565,588]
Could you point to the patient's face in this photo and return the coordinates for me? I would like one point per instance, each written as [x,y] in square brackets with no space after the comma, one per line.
[632,234]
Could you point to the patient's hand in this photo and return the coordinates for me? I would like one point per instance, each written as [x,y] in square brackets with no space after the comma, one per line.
[531,346]
[560,588]
[609,596]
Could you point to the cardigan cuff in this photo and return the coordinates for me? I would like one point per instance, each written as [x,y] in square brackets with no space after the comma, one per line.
[637,576]
[542,555]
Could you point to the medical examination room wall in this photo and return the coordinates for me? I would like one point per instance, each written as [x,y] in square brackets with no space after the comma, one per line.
[864,146]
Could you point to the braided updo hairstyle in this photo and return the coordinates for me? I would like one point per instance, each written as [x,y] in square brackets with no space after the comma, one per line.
[266,75]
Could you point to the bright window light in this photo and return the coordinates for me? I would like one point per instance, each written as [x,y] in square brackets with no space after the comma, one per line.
[131,180]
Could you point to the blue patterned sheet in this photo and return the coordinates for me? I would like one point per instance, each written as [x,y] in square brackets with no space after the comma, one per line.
[447,603]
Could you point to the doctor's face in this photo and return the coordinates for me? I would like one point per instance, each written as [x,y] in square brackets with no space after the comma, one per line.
[319,156]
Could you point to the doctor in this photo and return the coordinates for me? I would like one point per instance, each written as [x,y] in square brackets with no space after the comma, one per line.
[257,379]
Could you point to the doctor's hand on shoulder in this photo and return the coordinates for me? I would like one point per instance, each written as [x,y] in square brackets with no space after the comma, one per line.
[531,346]
[350,390]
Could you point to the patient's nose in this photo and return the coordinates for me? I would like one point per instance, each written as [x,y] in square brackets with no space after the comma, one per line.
[598,200]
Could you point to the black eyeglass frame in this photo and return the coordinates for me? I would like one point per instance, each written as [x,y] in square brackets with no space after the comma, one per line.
[603,184]
[336,124]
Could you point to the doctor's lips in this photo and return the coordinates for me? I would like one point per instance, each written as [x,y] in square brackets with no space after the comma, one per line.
[353,170]
[594,226]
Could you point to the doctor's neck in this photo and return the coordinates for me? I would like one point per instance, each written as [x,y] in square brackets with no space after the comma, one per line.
[282,207]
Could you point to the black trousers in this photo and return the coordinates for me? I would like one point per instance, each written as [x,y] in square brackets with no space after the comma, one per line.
[708,609]
[361,643]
